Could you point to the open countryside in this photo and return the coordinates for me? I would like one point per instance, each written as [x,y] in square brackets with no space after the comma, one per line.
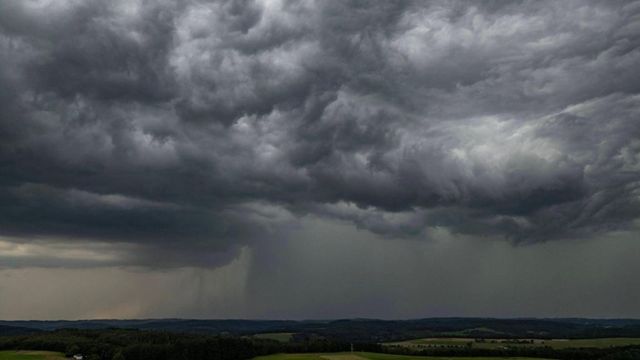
[376,356]
[510,343]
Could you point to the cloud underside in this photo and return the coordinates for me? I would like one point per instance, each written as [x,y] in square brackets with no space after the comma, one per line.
[177,131]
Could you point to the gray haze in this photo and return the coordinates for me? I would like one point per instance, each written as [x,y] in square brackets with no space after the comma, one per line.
[319,158]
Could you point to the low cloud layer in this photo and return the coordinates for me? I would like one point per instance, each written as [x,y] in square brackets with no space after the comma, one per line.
[178,133]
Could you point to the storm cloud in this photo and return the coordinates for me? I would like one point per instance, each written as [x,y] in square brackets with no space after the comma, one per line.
[178,132]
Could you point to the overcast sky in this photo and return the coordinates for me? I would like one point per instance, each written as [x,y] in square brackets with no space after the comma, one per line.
[319,159]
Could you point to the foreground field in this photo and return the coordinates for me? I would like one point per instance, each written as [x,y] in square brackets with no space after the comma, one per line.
[375,356]
[507,343]
[30,355]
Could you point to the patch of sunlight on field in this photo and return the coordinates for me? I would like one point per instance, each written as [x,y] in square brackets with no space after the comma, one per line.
[375,356]
[30,355]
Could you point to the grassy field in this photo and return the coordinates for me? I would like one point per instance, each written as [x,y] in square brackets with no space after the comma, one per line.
[30,355]
[504,343]
[375,356]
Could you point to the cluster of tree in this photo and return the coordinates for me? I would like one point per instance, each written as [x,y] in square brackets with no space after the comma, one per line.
[366,330]
[128,344]
[624,354]
[120,344]
[611,353]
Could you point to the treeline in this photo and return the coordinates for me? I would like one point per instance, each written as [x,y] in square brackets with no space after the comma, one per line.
[611,353]
[364,330]
[127,344]
[120,344]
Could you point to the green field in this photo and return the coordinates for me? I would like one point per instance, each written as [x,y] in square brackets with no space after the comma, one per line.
[30,355]
[506,343]
[375,356]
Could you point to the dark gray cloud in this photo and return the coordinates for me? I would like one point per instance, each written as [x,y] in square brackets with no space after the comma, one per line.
[179,129]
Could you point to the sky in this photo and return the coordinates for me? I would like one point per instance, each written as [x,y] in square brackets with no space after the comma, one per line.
[279,159]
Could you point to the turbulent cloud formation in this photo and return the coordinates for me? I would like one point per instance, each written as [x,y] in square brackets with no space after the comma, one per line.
[178,132]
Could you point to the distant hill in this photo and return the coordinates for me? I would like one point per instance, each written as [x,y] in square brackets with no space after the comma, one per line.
[364,330]
[16,330]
